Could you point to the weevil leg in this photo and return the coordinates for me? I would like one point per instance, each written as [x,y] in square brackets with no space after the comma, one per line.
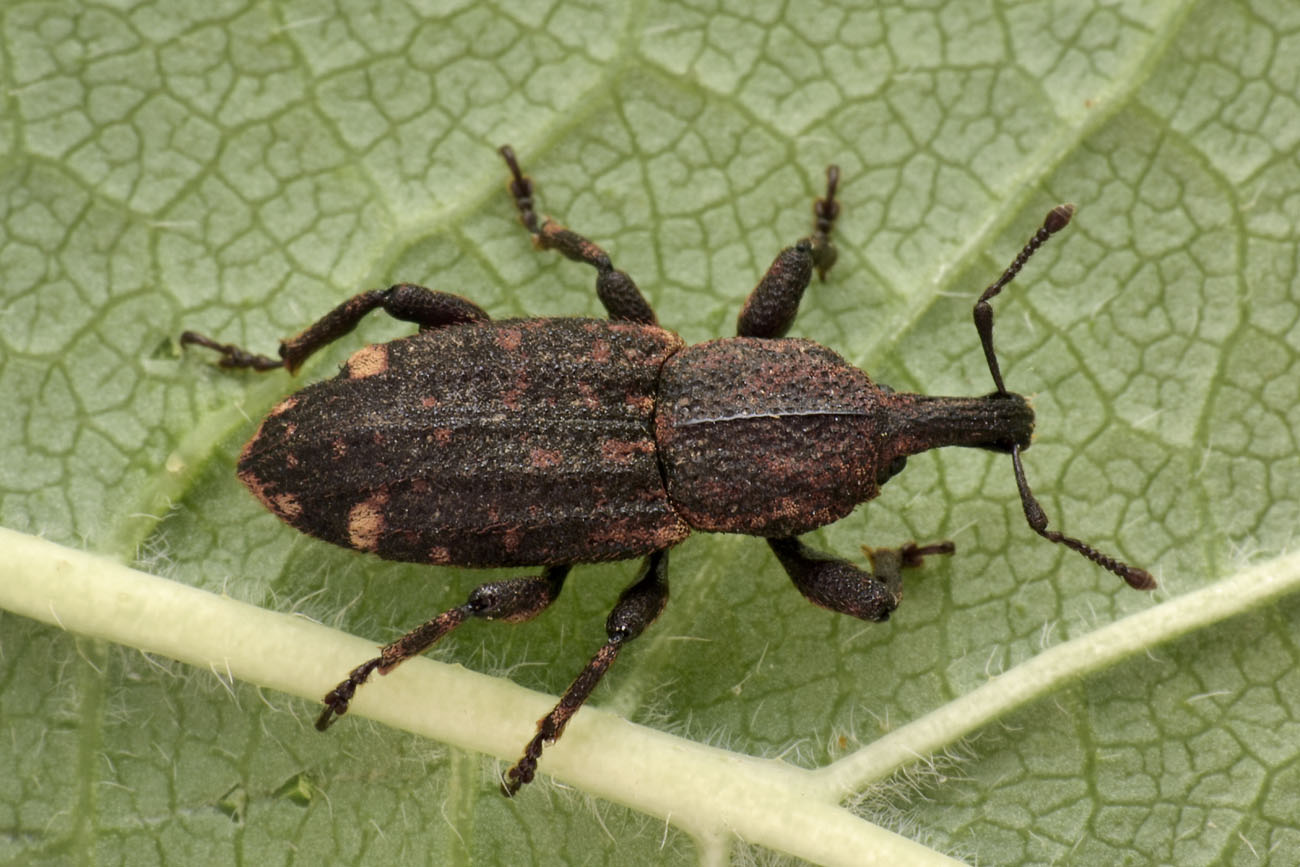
[405,301]
[637,608]
[514,601]
[770,309]
[838,585]
[621,297]
[825,210]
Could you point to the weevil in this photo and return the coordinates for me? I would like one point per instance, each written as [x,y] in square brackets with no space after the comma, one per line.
[550,442]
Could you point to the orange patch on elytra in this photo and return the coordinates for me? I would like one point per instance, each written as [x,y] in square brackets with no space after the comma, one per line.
[286,506]
[366,521]
[543,458]
[625,451]
[513,399]
[283,406]
[439,555]
[509,339]
[511,539]
[368,361]
[599,351]
[630,534]
[589,397]
[641,403]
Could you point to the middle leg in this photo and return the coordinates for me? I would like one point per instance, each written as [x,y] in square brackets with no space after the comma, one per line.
[638,607]
[621,297]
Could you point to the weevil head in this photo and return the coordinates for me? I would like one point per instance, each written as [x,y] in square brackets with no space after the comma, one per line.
[914,423]
[1011,422]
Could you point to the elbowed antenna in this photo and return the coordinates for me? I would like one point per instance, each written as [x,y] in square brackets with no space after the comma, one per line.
[1057,219]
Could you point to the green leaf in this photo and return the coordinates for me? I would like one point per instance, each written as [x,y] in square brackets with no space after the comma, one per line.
[239,169]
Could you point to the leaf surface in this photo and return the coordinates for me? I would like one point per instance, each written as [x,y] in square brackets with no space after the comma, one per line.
[239,169]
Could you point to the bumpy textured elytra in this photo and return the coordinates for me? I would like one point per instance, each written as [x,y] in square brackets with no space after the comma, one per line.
[551,442]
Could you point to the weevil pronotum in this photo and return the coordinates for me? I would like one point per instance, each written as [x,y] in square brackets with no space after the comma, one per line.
[550,442]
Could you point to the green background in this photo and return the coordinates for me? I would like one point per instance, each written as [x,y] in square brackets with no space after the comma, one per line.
[239,168]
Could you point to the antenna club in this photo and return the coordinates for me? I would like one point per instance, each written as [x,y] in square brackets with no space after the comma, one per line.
[1138,579]
[1058,218]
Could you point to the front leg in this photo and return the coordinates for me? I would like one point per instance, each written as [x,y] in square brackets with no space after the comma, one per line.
[770,309]
[840,586]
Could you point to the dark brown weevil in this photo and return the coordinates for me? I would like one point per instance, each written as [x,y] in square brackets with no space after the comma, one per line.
[550,442]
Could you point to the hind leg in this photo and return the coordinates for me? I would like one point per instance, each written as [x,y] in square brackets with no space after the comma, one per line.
[514,601]
[405,301]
